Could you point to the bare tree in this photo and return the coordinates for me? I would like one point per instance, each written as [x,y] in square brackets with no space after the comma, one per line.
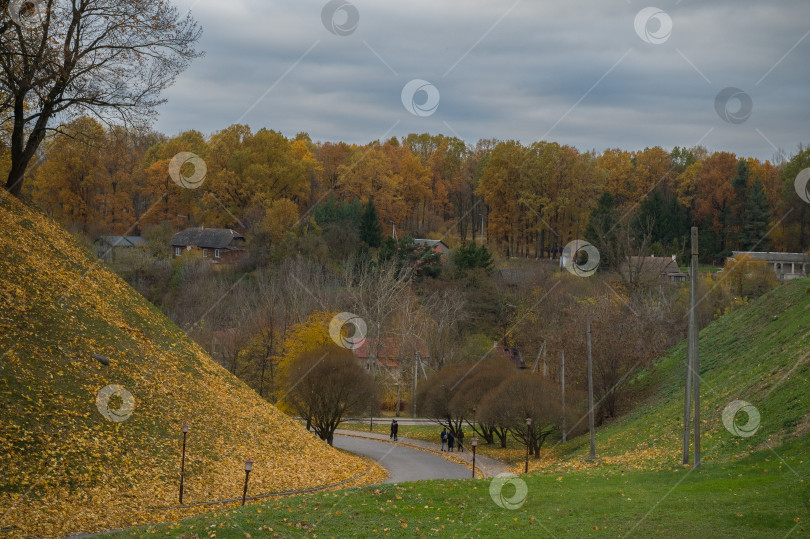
[433,398]
[326,385]
[466,402]
[258,360]
[107,58]
[439,325]
[375,292]
[626,338]
[524,396]
[301,286]
[636,268]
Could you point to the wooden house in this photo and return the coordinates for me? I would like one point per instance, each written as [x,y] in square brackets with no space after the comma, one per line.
[219,245]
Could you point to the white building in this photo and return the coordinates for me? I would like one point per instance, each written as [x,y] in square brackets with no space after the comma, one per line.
[786,265]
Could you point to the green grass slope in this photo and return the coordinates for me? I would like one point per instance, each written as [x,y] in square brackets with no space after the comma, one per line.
[64,465]
[759,353]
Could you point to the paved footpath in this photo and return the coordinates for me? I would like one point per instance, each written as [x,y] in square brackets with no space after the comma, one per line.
[403,463]
[485,466]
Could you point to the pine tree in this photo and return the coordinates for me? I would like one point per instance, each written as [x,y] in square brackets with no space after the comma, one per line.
[370,229]
[471,256]
[756,219]
[652,217]
[601,231]
[735,218]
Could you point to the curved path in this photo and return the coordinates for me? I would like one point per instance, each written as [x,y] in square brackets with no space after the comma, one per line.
[403,463]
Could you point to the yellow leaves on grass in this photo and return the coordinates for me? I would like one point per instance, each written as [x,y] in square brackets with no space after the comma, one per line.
[65,467]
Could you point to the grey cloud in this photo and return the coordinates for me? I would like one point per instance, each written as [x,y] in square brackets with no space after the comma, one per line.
[516,83]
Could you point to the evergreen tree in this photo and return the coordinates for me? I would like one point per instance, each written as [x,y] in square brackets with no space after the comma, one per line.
[796,222]
[740,181]
[471,256]
[370,229]
[734,217]
[668,220]
[422,259]
[602,231]
[388,249]
[756,219]
[335,211]
[652,214]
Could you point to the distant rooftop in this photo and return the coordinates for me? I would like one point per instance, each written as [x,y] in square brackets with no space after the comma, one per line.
[800,258]
[207,238]
[123,241]
[429,242]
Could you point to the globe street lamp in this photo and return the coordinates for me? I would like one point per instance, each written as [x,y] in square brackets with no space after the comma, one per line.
[474,444]
[183,461]
[248,469]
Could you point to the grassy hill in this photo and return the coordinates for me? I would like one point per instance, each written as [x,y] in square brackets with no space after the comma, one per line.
[64,466]
[759,353]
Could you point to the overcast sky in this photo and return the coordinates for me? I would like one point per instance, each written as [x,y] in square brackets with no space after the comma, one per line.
[594,74]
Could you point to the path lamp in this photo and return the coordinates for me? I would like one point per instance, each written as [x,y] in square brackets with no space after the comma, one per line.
[528,437]
[183,460]
[248,469]
[474,444]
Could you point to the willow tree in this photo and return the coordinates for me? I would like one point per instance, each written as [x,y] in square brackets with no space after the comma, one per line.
[110,59]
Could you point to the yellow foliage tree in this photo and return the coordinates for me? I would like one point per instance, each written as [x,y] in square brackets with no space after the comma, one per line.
[741,278]
[281,216]
[301,339]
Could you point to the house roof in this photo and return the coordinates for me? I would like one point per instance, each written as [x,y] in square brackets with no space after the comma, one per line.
[123,241]
[208,238]
[432,243]
[800,258]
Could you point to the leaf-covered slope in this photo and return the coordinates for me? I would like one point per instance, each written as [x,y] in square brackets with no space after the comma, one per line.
[759,353]
[66,467]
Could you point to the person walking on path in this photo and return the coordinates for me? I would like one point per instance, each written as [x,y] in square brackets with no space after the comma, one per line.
[395,430]
[391,436]
[444,439]
[451,440]
[460,438]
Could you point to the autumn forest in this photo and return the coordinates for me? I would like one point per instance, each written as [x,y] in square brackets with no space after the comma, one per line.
[523,200]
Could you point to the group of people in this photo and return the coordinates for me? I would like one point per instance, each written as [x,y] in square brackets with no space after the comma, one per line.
[450,439]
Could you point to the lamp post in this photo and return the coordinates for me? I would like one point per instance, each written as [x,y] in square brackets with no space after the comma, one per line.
[528,437]
[248,468]
[474,444]
[183,460]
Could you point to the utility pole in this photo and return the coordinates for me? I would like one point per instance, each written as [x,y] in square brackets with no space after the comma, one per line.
[687,406]
[692,359]
[590,392]
[545,367]
[694,345]
[562,384]
[540,352]
[415,379]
